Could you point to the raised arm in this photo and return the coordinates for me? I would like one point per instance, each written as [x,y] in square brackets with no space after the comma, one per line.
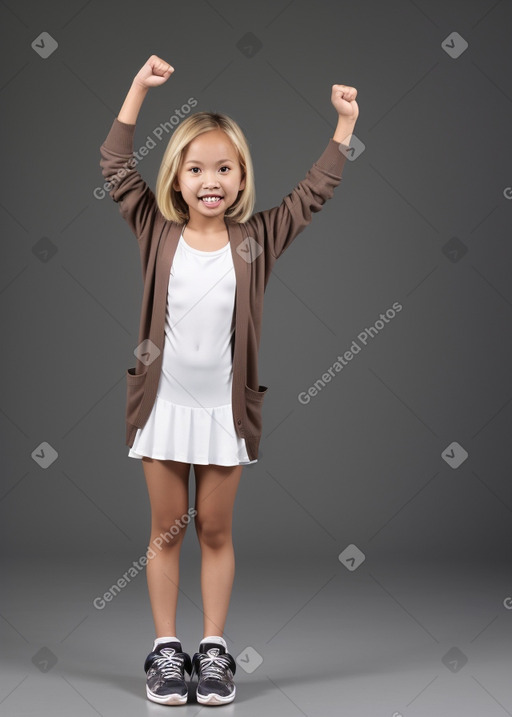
[280,225]
[132,103]
[343,99]
[125,184]
[152,74]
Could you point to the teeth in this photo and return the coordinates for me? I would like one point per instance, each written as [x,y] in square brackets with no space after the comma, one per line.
[210,199]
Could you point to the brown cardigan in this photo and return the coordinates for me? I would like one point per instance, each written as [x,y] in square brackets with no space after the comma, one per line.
[255,246]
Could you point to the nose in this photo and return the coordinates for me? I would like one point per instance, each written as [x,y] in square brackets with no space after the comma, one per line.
[210,180]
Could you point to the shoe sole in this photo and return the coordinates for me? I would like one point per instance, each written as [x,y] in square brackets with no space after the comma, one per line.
[213,699]
[173,699]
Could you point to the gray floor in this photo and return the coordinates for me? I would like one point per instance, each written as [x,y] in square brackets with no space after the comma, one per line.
[383,640]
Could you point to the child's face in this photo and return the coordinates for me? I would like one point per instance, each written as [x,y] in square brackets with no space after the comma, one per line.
[210,166]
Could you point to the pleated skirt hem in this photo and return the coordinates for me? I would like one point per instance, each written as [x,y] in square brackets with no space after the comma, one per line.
[190,434]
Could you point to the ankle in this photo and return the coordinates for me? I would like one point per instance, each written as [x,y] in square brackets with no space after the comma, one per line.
[217,639]
[160,640]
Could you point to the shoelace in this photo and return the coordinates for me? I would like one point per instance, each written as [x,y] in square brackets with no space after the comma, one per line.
[214,666]
[170,664]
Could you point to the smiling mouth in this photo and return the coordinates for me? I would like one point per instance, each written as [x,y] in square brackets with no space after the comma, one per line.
[211,199]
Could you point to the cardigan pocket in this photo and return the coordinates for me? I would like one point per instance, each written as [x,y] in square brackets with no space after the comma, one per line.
[254,406]
[135,383]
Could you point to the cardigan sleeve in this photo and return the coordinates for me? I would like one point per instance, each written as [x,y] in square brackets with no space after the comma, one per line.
[136,200]
[279,226]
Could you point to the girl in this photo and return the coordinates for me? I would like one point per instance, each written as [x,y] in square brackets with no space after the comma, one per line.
[194,398]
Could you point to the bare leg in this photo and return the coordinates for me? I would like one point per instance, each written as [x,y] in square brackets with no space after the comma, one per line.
[216,488]
[167,483]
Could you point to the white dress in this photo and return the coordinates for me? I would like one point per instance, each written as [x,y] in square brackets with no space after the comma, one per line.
[192,417]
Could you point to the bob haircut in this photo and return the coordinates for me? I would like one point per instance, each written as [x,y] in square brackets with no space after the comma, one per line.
[169,200]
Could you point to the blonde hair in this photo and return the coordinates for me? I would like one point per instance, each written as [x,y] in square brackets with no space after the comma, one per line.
[169,200]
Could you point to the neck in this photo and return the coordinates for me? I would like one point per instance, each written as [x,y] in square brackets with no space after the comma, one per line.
[205,225]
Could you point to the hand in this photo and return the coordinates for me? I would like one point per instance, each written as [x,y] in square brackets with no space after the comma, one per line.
[154,73]
[344,102]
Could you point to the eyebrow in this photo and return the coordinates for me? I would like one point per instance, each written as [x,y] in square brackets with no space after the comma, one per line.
[197,161]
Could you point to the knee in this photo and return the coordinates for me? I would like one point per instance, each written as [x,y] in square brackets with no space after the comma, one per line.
[211,533]
[168,535]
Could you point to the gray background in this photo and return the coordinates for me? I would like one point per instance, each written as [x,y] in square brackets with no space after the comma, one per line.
[362,464]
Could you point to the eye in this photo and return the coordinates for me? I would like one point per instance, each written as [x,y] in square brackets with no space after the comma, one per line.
[224,167]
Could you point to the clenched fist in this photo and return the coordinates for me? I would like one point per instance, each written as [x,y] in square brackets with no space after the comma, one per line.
[344,102]
[153,73]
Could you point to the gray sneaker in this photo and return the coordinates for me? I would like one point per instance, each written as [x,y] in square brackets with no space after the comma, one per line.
[165,674]
[214,668]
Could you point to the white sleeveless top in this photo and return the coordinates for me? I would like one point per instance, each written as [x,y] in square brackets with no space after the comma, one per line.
[192,417]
